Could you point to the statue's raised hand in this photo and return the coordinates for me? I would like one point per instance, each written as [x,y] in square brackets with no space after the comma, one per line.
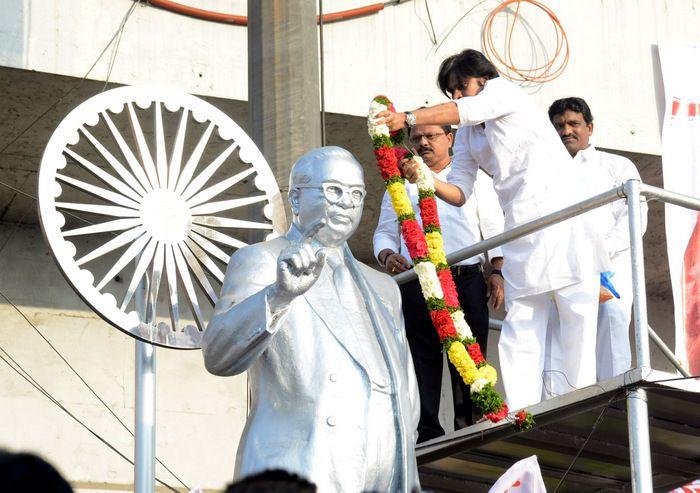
[298,268]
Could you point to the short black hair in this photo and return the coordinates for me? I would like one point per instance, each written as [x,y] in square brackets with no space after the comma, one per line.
[577,105]
[465,64]
[272,481]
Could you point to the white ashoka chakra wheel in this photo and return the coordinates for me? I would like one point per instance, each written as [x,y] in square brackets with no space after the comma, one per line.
[147,183]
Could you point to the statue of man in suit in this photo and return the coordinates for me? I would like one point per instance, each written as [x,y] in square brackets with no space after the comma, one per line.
[334,396]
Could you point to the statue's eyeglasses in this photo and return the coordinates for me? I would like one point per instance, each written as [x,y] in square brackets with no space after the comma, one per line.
[333,192]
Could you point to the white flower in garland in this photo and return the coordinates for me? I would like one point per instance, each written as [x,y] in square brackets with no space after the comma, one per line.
[478,385]
[375,108]
[463,330]
[429,280]
[425,180]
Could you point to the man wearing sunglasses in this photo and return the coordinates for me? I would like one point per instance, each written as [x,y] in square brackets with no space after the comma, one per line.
[480,217]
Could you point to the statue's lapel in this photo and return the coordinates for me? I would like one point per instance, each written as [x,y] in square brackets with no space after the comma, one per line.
[326,304]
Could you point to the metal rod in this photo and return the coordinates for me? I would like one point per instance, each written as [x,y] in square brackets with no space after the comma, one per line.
[145,404]
[638,413]
[670,197]
[667,352]
[322,74]
[524,229]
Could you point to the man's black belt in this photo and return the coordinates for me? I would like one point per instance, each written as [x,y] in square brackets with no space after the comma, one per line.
[463,270]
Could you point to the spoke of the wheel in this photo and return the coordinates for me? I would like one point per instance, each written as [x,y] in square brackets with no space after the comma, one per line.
[161,158]
[172,288]
[218,236]
[198,273]
[204,259]
[225,205]
[139,271]
[121,240]
[210,247]
[136,178]
[128,154]
[144,152]
[225,222]
[220,187]
[176,158]
[105,227]
[103,210]
[134,249]
[106,177]
[193,161]
[155,283]
[99,192]
[190,295]
[208,172]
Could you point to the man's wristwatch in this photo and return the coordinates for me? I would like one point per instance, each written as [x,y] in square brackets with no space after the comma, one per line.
[410,119]
[496,271]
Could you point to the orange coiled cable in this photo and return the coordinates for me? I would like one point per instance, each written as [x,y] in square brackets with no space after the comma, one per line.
[504,62]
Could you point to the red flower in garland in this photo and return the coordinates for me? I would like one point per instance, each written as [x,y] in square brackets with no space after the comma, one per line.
[400,153]
[449,289]
[520,418]
[415,241]
[386,160]
[475,352]
[443,323]
[428,212]
[501,414]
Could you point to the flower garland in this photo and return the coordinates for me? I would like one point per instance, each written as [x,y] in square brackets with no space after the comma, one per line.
[425,246]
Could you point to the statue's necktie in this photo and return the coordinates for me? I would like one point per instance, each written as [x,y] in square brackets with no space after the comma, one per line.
[361,326]
[691,299]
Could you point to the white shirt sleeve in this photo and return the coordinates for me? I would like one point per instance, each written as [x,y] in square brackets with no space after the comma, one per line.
[488,210]
[618,237]
[493,101]
[387,234]
[464,167]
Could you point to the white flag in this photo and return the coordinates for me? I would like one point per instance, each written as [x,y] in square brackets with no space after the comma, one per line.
[523,477]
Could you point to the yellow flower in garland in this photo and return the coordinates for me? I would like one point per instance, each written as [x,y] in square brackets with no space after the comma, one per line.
[436,247]
[399,199]
[459,357]
[488,372]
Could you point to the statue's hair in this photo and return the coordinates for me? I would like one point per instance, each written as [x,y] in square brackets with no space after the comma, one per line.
[302,171]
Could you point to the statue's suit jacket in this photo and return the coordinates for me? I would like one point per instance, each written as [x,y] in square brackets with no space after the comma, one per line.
[309,382]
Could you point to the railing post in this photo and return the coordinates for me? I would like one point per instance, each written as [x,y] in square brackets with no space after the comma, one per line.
[637,409]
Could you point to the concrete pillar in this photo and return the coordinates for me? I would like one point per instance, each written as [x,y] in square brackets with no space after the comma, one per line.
[283,81]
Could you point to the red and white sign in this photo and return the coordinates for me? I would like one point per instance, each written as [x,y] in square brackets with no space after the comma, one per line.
[680,153]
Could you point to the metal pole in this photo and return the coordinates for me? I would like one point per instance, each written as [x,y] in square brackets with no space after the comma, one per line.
[667,352]
[524,229]
[637,409]
[145,405]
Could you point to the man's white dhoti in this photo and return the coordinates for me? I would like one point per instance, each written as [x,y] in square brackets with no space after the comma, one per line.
[523,340]
[613,346]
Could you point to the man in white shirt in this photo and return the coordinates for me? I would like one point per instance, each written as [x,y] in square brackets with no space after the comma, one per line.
[504,133]
[480,217]
[573,121]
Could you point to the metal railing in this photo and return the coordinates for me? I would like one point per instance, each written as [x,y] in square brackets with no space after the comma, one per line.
[637,409]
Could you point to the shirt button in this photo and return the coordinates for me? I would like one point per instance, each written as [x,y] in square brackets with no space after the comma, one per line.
[330,421]
[333,377]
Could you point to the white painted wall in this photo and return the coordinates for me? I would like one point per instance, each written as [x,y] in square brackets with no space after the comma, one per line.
[613,63]
[199,416]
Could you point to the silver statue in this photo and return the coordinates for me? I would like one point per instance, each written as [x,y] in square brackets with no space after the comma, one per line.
[334,396]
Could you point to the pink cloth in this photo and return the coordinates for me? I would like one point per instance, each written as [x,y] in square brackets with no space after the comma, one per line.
[691,299]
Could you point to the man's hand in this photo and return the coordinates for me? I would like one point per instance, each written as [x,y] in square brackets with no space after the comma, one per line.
[409,168]
[298,268]
[394,262]
[494,290]
[393,120]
